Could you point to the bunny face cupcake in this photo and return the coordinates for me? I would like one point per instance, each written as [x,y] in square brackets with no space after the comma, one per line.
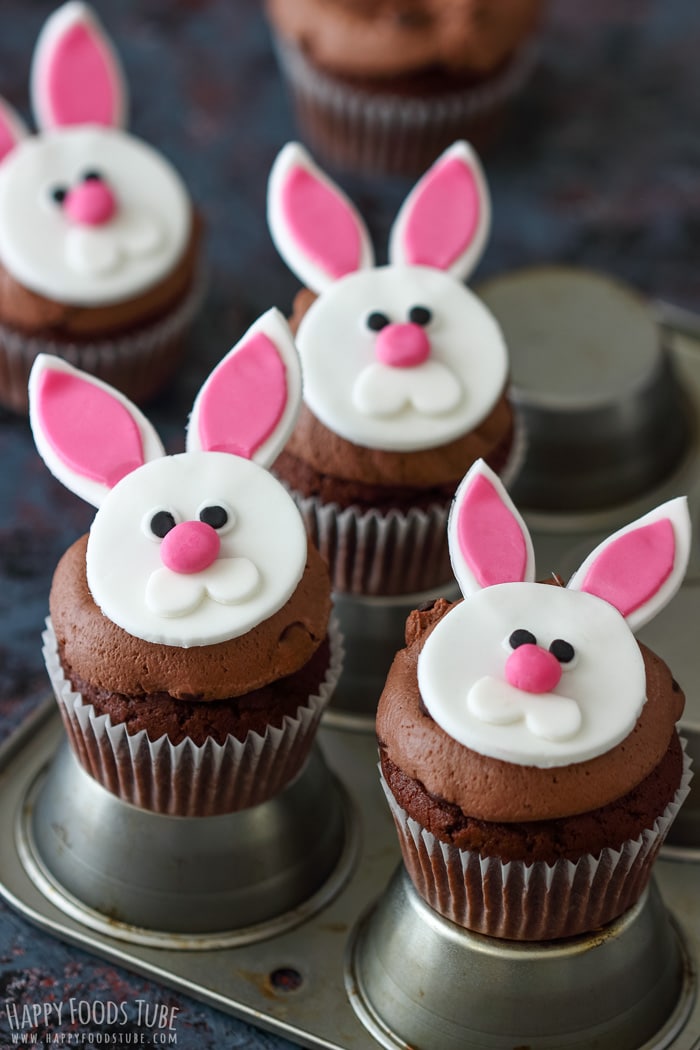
[528,741]
[98,240]
[405,371]
[188,643]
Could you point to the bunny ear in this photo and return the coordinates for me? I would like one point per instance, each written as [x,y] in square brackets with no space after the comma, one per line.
[445,220]
[76,76]
[316,229]
[639,568]
[12,129]
[489,541]
[88,434]
[250,402]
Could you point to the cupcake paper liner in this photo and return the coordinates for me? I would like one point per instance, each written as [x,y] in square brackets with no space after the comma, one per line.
[187,779]
[393,132]
[531,902]
[138,363]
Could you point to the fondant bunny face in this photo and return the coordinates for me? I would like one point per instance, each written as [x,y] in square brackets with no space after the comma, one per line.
[88,213]
[194,548]
[545,675]
[399,357]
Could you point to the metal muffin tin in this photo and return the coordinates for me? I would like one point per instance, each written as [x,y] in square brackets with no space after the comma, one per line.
[371,964]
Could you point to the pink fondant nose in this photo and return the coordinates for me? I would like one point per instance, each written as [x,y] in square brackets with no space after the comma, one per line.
[402,345]
[90,203]
[533,669]
[190,547]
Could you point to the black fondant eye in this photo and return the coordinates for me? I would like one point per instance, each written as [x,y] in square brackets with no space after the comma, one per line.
[521,637]
[420,315]
[58,194]
[161,523]
[215,516]
[564,651]
[377,320]
[92,176]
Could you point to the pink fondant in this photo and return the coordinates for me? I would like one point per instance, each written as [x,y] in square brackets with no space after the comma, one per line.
[244,399]
[533,669]
[89,430]
[90,203]
[443,216]
[631,569]
[322,223]
[489,536]
[402,345]
[190,547]
[9,131]
[77,80]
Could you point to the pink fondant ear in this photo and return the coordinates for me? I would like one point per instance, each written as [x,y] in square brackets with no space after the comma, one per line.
[88,434]
[445,220]
[76,75]
[640,567]
[250,402]
[12,129]
[316,230]
[489,541]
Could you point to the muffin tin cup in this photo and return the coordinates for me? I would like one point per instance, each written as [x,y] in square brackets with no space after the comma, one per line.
[416,979]
[187,780]
[531,902]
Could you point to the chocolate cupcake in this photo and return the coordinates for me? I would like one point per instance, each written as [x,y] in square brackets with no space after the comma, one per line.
[388,86]
[405,371]
[99,243]
[528,742]
[189,643]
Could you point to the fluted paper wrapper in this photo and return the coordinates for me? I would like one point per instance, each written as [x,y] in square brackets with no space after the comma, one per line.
[390,132]
[138,363]
[531,902]
[186,779]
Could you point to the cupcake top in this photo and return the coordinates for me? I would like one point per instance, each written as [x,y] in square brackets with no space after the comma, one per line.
[89,214]
[390,38]
[198,548]
[526,701]
[398,358]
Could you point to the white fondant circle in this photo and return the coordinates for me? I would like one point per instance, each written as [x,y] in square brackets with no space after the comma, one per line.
[124,568]
[606,680]
[337,349]
[91,265]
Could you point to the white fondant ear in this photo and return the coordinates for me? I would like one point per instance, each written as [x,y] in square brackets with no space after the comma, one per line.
[316,229]
[88,434]
[488,539]
[12,129]
[249,404]
[445,220]
[641,566]
[76,77]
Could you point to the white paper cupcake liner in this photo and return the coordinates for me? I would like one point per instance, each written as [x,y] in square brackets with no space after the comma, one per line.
[531,902]
[385,131]
[137,363]
[187,779]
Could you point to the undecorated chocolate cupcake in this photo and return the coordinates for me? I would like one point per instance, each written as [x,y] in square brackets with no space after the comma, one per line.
[99,242]
[188,644]
[405,370]
[528,742]
[389,85]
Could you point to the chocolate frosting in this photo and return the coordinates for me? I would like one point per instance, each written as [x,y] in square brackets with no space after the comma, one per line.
[492,790]
[98,651]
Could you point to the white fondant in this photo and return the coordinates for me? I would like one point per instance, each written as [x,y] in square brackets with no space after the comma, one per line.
[465,263]
[87,488]
[336,347]
[218,603]
[135,249]
[608,683]
[308,269]
[547,715]
[429,388]
[676,510]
